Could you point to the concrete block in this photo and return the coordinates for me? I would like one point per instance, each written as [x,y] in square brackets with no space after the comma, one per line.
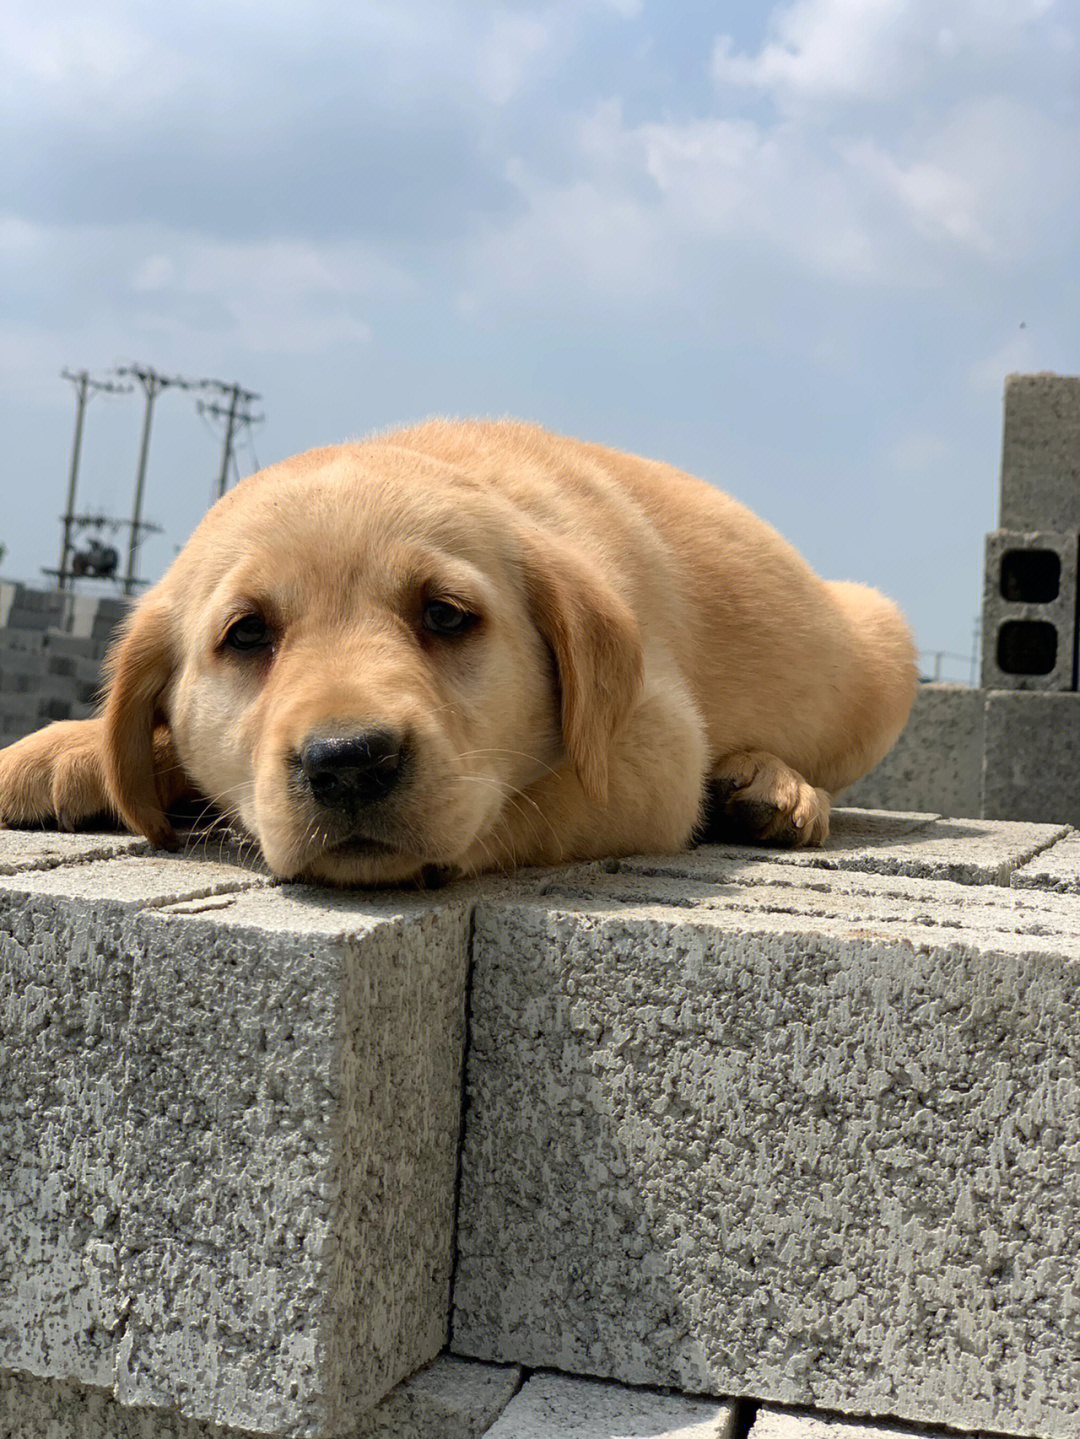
[55,707]
[1031,765]
[808,1137]
[1040,460]
[22,849]
[19,706]
[69,646]
[22,670]
[228,1149]
[936,764]
[14,642]
[451,1399]
[968,851]
[774,1424]
[1030,611]
[552,1406]
[34,609]
[1054,868]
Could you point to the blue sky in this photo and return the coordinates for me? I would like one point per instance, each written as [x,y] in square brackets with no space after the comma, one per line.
[792,248]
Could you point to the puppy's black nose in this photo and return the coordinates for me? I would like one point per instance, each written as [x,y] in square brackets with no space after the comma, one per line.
[348,772]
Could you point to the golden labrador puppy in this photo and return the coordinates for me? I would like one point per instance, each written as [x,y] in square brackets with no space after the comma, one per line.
[469,646]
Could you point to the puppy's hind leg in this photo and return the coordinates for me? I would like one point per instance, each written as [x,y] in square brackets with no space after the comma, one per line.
[754,796]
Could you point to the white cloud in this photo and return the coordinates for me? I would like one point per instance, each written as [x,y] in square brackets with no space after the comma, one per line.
[86,62]
[874,50]
[512,44]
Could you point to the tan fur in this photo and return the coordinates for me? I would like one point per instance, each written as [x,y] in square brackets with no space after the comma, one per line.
[642,639]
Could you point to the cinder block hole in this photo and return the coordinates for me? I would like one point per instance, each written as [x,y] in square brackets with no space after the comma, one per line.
[1031,577]
[1027,647]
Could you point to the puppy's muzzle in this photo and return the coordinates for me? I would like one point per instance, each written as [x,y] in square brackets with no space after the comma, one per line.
[348,773]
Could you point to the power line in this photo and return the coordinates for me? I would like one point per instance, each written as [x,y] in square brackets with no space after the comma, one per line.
[234,408]
[237,414]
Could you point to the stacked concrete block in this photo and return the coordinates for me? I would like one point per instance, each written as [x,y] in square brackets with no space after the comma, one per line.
[1030,610]
[738,1123]
[52,649]
[1040,463]
[807,1140]
[228,1138]
[1031,763]
[1001,751]
[108,618]
[449,1399]
[551,1406]
[34,609]
[936,764]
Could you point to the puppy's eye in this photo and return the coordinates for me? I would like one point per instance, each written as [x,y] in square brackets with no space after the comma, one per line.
[443,618]
[248,634]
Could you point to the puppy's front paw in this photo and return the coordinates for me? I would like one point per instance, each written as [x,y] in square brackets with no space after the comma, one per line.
[757,797]
[56,776]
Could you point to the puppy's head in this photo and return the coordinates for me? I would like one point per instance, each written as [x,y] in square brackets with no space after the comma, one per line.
[365,659]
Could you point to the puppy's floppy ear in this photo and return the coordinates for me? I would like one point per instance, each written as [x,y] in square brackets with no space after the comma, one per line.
[139,668]
[597,647]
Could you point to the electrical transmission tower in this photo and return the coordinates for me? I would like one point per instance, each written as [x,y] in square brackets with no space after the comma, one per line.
[152,384]
[85,388]
[98,560]
[237,414]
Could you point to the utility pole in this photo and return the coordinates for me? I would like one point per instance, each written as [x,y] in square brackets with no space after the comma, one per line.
[84,388]
[237,414]
[152,384]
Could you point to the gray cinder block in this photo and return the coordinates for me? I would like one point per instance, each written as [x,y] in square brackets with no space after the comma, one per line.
[812,1143]
[552,1406]
[450,1399]
[228,1138]
[936,764]
[774,1424]
[1055,867]
[1031,766]
[1040,461]
[34,609]
[18,705]
[922,846]
[24,849]
[1030,611]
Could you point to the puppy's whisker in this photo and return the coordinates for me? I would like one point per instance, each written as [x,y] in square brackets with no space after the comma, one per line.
[513,753]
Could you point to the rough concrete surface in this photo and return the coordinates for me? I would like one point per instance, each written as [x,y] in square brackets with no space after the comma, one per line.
[552,1406]
[1031,768]
[35,849]
[936,764]
[801,1127]
[775,1424]
[228,1125]
[926,846]
[1056,868]
[807,1136]
[1040,455]
[450,1399]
